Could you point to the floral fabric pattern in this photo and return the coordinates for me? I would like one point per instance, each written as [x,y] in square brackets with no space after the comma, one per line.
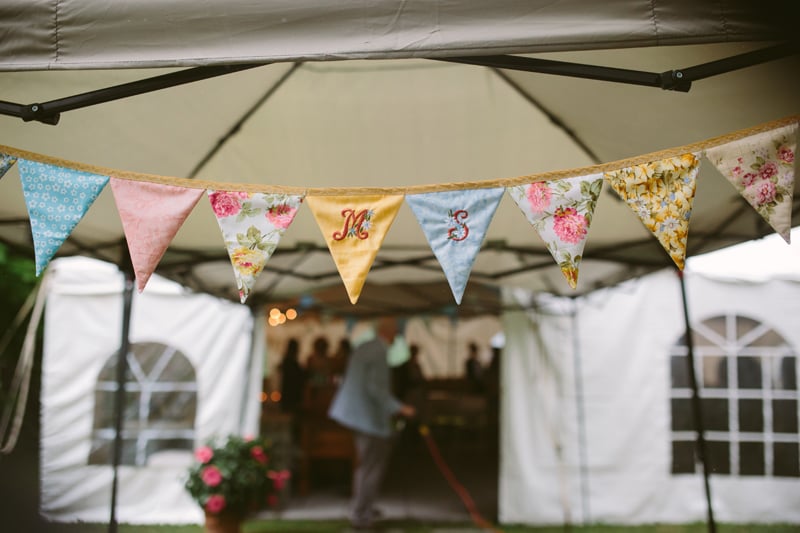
[6,162]
[661,194]
[252,225]
[354,228]
[561,213]
[761,167]
[455,224]
[56,198]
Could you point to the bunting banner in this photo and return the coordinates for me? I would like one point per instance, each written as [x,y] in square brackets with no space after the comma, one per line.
[455,217]
[561,213]
[151,215]
[252,225]
[455,225]
[661,194]
[761,167]
[56,198]
[6,162]
[354,228]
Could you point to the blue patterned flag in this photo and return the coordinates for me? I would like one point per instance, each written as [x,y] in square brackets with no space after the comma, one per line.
[455,224]
[6,162]
[57,198]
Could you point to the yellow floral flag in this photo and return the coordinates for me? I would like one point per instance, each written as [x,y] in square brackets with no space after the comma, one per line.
[354,228]
[661,194]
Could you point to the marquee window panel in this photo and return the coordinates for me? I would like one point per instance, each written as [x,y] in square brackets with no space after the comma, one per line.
[747,374]
[160,405]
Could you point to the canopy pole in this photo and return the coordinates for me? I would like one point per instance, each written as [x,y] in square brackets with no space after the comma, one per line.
[581,414]
[122,367]
[697,407]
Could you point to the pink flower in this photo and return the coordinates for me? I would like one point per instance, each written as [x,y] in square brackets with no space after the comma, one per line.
[203,454]
[569,225]
[768,170]
[215,503]
[786,154]
[281,215]
[226,204]
[211,476]
[748,179]
[737,170]
[539,195]
[765,192]
[258,454]
[279,478]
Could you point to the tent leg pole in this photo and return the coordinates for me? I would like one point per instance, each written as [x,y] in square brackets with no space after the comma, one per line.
[697,407]
[119,402]
[581,413]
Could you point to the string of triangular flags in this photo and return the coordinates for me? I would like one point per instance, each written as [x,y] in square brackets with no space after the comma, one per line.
[758,162]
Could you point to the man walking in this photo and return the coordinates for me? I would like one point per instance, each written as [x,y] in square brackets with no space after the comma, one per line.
[365,404]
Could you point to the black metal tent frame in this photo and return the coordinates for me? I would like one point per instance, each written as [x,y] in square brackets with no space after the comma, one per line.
[675,80]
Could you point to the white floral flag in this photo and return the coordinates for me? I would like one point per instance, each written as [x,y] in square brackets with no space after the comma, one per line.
[761,167]
[561,212]
[252,224]
[661,193]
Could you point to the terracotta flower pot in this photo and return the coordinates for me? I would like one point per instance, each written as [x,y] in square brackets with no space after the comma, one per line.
[223,523]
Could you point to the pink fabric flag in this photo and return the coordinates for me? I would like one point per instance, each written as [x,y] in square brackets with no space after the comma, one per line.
[151,215]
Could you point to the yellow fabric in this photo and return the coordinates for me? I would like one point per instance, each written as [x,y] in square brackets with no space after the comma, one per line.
[354,228]
[661,194]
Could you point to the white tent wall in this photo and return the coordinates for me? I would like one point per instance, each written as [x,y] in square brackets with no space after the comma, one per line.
[82,331]
[624,337]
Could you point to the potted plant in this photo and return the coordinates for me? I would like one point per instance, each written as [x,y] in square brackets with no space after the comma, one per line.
[233,477]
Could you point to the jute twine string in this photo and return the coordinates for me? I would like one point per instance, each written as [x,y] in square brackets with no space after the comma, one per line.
[414,189]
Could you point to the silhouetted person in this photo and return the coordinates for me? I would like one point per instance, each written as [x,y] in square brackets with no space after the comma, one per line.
[473,370]
[293,377]
[409,380]
[320,364]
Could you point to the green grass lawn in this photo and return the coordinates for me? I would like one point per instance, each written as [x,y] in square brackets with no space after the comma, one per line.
[389,526]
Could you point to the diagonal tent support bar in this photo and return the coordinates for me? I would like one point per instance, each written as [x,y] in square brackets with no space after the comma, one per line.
[675,80]
[49,112]
[672,80]
[239,123]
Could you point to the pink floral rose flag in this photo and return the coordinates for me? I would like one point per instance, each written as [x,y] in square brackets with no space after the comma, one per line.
[354,228]
[151,214]
[661,193]
[561,212]
[252,225]
[761,167]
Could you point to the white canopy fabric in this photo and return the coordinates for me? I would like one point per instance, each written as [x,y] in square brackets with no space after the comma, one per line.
[390,123]
[76,34]
[587,406]
[83,317]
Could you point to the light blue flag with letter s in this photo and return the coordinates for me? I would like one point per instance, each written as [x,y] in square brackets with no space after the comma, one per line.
[56,198]
[455,224]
